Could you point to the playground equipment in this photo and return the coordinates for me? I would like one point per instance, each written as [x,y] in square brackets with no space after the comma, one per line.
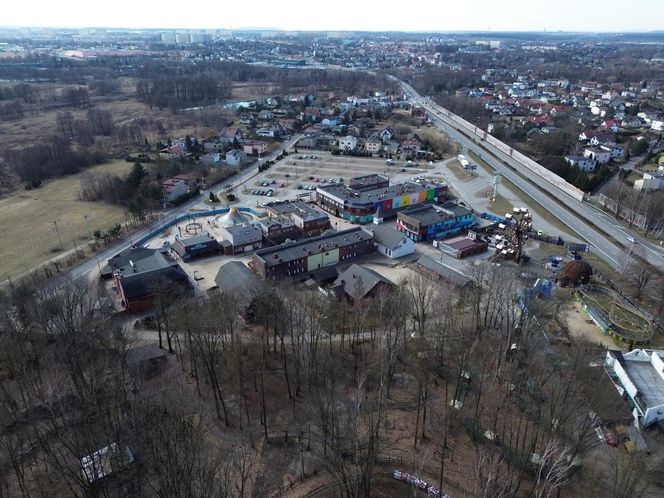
[513,231]
[193,228]
[232,218]
[615,316]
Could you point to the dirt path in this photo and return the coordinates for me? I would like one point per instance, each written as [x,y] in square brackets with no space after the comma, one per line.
[580,328]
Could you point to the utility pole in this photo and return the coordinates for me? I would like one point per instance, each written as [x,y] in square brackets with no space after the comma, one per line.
[496,181]
[55,223]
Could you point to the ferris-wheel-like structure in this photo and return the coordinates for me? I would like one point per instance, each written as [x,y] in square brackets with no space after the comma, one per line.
[512,234]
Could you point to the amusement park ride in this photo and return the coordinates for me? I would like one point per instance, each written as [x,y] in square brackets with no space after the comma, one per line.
[512,233]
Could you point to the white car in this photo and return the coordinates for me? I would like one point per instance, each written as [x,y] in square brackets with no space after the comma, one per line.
[631,239]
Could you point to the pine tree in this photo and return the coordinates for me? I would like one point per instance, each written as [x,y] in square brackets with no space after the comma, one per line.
[135,176]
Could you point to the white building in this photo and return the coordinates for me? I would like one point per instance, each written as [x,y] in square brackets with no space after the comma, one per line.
[391,242]
[657,124]
[615,150]
[650,181]
[348,142]
[174,189]
[581,162]
[236,157]
[639,377]
[598,155]
[373,145]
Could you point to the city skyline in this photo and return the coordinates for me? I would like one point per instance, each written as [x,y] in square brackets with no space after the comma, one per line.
[343,15]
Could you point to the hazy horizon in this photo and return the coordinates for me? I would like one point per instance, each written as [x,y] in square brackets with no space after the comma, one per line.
[343,15]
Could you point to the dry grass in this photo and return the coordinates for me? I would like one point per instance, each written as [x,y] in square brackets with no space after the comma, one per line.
[500,205]
[26,220]
[253,90]
[462,174]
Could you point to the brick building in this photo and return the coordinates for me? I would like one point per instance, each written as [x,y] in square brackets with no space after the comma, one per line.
[307,256]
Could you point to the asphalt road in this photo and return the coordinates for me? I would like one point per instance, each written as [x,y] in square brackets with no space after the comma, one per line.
[574,214]
[197,203]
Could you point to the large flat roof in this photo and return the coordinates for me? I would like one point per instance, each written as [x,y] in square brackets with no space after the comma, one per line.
[649,383]
[366,180]
[302,209]
[344,193]
[297,250]
[430,214]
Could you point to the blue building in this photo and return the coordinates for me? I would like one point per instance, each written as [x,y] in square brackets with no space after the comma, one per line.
[435,222]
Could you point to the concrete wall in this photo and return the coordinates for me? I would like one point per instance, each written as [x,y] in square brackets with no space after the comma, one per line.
[523,160]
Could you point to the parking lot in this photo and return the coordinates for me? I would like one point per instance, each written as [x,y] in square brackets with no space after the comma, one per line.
[300,173]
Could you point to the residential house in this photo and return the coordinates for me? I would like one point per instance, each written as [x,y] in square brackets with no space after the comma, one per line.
[594,137]
[214,146]
[312,114]
[230,135]
[236,157]
[265,115]
[581,162]
[272,131]
[348,142]
[254,147]
[387,134]
[211,159]
[412,144]
[111,459]
[600,156]
[418,112]
[173,189]
[247,118]
[657,124]
[650,181]
[308,142]
[614,149]
[174,150]
[373,145]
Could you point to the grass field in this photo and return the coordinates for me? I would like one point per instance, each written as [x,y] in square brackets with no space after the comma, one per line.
[26,220]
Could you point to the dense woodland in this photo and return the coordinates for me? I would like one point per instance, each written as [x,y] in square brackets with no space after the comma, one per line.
[460,388]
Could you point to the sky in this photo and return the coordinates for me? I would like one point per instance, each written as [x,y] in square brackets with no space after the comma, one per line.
[345,15]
